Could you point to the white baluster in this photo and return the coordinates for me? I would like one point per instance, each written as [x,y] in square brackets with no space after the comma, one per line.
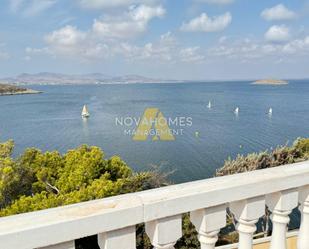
[247,213]
[281,205]
[208,223]
[118,239]
[65,245]
[303,237]
[165,232]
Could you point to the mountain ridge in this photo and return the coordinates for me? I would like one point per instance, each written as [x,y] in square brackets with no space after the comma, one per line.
[47,78]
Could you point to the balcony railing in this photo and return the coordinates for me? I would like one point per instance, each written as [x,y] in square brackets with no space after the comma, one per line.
[114,219]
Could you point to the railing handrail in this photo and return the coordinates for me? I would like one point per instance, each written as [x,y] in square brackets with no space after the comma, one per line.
[57,225]
[217,191]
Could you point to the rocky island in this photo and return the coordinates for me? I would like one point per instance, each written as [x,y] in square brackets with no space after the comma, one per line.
[6,89]
[270,82]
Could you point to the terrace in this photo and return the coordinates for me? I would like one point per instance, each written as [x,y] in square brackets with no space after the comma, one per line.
[114,219]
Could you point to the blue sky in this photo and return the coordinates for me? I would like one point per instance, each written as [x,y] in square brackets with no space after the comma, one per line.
[183,39]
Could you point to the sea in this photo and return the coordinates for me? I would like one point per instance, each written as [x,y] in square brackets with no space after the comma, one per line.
[203,137]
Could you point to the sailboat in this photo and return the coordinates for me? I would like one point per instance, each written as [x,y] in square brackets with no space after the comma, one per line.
[85,112]
[270,111]
[209,105]
[236,110]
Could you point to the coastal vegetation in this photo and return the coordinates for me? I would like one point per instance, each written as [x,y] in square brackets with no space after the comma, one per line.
[255,161]
[38,180]
[6,89]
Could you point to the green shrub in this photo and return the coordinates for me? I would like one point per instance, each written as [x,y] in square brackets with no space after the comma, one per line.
[255,161]
[37,180]
[303,146]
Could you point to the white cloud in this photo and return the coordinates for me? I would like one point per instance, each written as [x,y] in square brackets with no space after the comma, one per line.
[204,23]
[67,41]
[132,23]
[71,42]
[101,4]
[220,2]
[145,13]
[155,51]
[298,46]
[278,13]
[164,49]
[168,39]
[31,7]
[65,37]
[278,33]
[250,51]
[106,38]
[191,54]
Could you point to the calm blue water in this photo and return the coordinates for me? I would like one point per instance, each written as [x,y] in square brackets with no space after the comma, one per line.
[52,121]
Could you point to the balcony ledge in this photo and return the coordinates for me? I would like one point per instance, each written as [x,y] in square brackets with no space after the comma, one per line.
[114,219]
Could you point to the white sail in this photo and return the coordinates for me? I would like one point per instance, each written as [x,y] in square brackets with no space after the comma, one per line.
[270,111]
[209,105]
[85,112]
[236,110]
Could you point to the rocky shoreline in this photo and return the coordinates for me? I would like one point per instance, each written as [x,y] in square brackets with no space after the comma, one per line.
[6,89]
[28,91]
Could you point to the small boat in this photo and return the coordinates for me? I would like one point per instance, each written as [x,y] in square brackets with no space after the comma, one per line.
[85,112]
[236,110]
[270,111]
[209,105]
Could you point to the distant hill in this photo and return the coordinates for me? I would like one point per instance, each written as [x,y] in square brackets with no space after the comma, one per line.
[96,78]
